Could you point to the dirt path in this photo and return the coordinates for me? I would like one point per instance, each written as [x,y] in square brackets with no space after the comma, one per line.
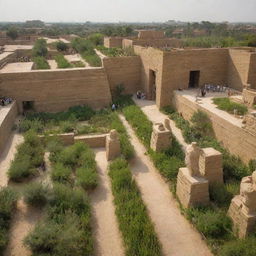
[175,233]
[156,116]
[23,222]
[105,228]
[8,155]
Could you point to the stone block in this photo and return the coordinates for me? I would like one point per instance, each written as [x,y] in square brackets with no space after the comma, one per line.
[210,165]
[113,149]
[244,222]
[160,138]
[192,190]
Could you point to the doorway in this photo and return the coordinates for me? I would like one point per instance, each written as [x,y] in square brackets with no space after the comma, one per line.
[152,85]
[28,106]
[194,77]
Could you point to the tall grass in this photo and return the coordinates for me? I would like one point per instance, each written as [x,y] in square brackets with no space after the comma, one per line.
[8,199]
[137,230]
[230,106]
[29,156]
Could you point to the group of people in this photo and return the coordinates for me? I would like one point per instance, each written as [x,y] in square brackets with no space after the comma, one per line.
[141,95]
[5,101]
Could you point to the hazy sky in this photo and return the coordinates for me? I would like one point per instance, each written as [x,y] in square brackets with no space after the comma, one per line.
[128,10]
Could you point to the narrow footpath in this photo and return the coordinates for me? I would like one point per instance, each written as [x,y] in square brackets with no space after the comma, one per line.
[108,239]
[176,234]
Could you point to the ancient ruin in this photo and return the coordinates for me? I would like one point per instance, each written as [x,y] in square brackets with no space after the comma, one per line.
[192,187]
[113,149]
[161,136]
[243,207]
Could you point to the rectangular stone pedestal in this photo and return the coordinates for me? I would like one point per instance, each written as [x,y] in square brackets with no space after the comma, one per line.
[113,149]
[160,140]
[244,223]
[192,191]
[210,165]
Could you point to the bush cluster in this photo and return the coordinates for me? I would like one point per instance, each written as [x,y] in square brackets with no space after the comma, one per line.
[61,46]
[40,48]
[229,106]
[137,230]
[36,194]
[8,199]
[66,229]
[86,49]
[214,224]
[78,158]
[62,62]
[41,63]
[116,52]
[29,156]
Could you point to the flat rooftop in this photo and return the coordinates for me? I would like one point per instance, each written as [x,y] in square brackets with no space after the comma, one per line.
[206,103]
[51,40]
[12,48]
[17,67]
[5,54]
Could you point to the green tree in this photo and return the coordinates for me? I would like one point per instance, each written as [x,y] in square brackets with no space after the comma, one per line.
[96,38]
[12,33]
[61,46]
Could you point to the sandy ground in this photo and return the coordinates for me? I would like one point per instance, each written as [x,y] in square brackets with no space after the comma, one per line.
[17,67]
[107,237]
[23,222]
[176,234]
[53,64]
[8,155]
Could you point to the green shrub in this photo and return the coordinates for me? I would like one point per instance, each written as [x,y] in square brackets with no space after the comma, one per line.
[41,63]
[245,247]
[61,46]
[87,178]
[20,169]
[8,199]
[35,125]
[167,165]
[92,58]
[62,62]
[68,199]
[202,124]
[115,51]
[66,237]
[43,238]
[135,225]
[36,194]
[220,195]
[213,224]
[67,126]
[229,106]
[29,156]
[139,121]
[60,173]
[40,48]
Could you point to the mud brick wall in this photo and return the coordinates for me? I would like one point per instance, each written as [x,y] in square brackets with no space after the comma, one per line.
[237,140]
[6,124]
[125,71]
[54,91]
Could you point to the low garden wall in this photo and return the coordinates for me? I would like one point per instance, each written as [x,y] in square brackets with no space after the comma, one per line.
[94,141]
